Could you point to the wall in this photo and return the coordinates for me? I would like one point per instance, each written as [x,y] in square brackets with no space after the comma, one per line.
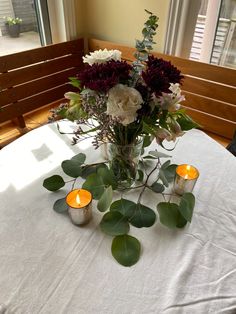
[122,21]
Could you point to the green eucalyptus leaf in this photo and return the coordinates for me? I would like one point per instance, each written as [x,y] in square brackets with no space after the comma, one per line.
[157,154]
[105,200]
[186,206]
[79,158]
[114,223]
[170,172]
[126,250]
[95,185]
[143,216]
[165,165]
[163,178]
[140,175]
[89,169]
[147,140]
[53,183]
[74,82]
[181,221]
[72,168]
[168,213]
[186,123]
[60,206]
[108,177]
[157,187]
[123,206]
[149,157]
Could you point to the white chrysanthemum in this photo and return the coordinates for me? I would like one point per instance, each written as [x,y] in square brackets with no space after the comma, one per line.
[101,56]
[123,103]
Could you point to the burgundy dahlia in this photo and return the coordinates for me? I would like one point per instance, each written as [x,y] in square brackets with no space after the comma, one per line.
[102,77]
[159,74]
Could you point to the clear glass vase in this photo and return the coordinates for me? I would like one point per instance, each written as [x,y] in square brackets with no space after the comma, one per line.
[123,160]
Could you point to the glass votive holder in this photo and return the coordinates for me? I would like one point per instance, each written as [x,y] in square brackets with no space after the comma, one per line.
[185,178]
[79,203]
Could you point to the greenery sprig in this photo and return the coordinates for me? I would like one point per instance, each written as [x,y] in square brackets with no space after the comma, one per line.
[144,46]
[120,214]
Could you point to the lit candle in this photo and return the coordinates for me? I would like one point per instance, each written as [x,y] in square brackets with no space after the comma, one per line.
[185,179]
[80,206]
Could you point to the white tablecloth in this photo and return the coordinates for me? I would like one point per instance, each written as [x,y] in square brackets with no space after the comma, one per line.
[49,265]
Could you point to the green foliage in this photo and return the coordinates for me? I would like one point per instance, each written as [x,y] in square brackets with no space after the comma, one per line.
[53,183]
[60,205]
[118,215]
[71,168]
[126,250]
[143,216]
[114,223]
[169,213]
[105,200]
[125,207]
[185,122]
[98,181]
[157,187]
[145,45]
[74,82]
[186,206]
[95,185]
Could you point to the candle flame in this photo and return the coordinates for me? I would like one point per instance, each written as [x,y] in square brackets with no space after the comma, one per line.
[78,199]
[188,167]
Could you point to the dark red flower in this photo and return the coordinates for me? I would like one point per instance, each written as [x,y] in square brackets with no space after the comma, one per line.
[159,74]
[102,77]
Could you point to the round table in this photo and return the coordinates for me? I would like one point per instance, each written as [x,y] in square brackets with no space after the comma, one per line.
[49,265]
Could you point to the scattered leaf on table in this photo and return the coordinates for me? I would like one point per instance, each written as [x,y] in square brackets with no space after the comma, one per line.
[126,250]
[60,206]
[53,183]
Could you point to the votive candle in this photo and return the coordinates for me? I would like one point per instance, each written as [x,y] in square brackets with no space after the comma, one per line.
[80,206]
[185,178]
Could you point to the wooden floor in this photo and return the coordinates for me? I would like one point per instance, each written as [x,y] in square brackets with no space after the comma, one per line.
[9,131]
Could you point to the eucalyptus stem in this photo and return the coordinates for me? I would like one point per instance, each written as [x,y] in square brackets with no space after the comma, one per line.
[146,181]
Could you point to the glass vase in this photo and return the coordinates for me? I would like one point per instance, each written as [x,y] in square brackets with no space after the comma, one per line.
[123,161]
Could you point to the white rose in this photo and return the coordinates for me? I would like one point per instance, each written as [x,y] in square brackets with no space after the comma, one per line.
[101,56]
[123,103]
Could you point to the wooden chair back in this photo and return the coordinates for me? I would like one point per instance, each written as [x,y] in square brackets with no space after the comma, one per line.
[37,77]
[210,90]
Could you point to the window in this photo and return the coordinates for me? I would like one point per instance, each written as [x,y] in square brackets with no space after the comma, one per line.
[203,30]
[31,29]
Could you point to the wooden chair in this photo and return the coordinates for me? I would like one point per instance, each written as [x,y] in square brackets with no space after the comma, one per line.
[35,78]
[210,91]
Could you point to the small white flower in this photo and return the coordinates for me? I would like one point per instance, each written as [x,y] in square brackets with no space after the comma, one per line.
[171,102]
[123,103]
[175,89]
[101,56]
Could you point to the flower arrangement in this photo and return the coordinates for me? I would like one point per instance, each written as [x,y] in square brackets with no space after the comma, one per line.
[128,106]
[128,100]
